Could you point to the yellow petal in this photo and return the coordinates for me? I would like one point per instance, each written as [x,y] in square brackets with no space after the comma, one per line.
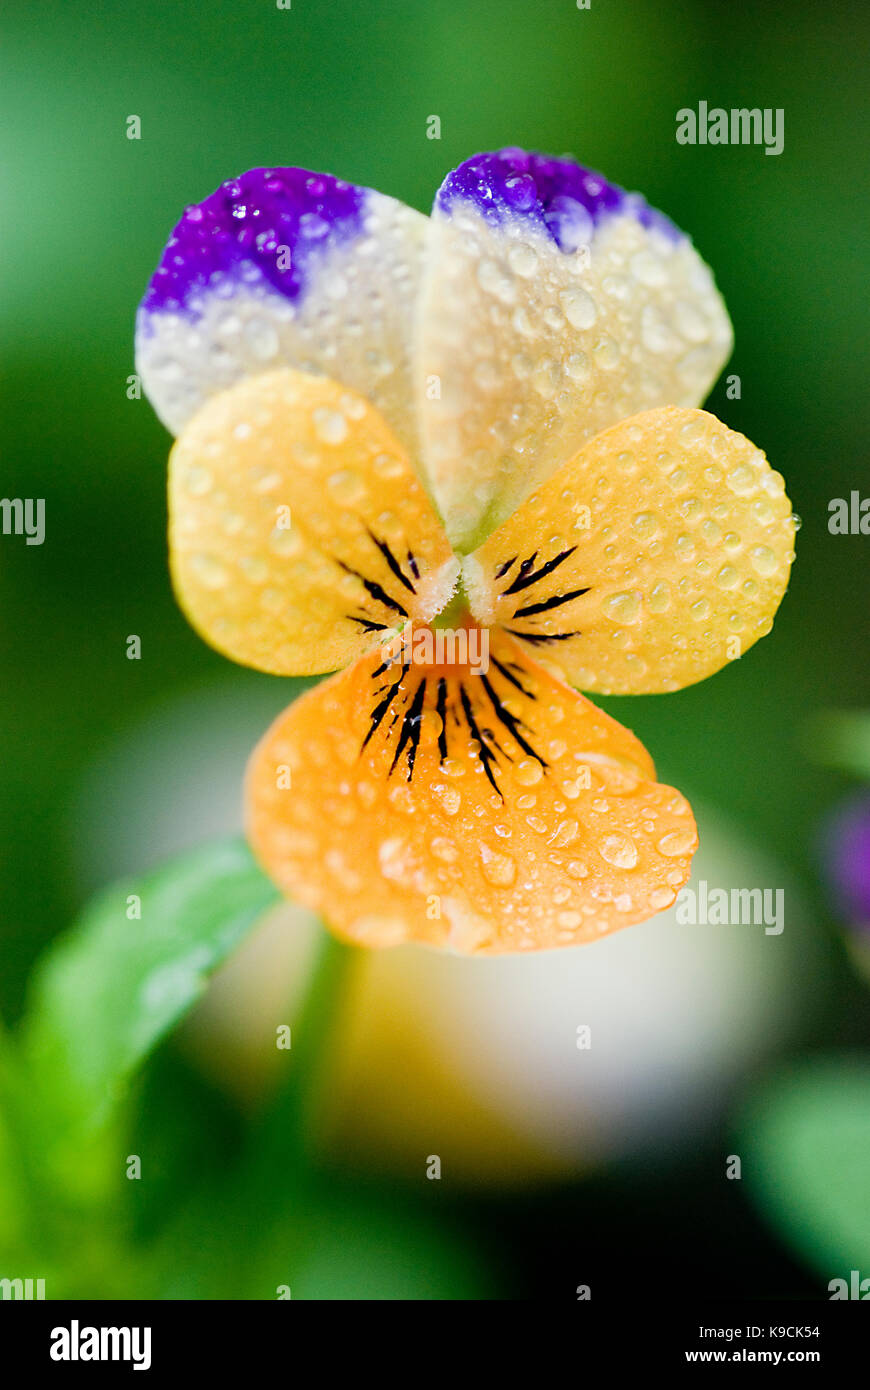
[479,811]
[658,554]
[299,533]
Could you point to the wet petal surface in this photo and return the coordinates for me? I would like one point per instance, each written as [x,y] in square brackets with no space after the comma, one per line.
[553,305]
[299,533]
[482,811]
[658,554]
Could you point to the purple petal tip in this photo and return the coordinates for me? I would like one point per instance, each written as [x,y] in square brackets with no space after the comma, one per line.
[561,197]
[268,223]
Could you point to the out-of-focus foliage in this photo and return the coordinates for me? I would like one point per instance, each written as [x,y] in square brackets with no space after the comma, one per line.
[806,1137]
[129,969]
[246,1227]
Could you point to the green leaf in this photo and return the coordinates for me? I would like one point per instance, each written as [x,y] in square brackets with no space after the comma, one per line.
[108,990]
[805,1141]
[325,1238]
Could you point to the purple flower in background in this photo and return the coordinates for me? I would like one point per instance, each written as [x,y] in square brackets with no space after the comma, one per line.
[847,856]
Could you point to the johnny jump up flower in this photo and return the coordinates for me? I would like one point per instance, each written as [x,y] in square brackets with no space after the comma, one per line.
[487,417]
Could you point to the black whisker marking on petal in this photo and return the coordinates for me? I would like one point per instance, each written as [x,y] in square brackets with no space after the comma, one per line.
[441,707]
[510,721]
[412,564]
[392,562]
[411,730]
[523,581]
[375,590]
[509,676]
[381,708]
[526,566]
[487,757]
[546,604]
[489,734]
[538,637]
[368,625]
[503,569]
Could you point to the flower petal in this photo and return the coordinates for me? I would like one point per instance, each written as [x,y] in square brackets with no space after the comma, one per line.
[283,267]
[659,553]
[479,812]
[299,533]
[553,305]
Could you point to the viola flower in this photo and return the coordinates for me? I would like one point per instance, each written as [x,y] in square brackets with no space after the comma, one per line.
[482,423]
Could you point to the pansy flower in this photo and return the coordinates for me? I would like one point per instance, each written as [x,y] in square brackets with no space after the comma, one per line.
[480,423]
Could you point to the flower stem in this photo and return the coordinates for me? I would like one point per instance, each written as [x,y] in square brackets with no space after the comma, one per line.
[292,1128]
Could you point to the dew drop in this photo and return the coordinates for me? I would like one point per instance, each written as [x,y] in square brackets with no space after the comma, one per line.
[285,542]
[566,833]
[569,920]
[676,842]
[645,525]
[606,353]
[262,338]
[619,850]
[579,308]
[254,569]
[388,466]
[331,426]
[577,869]
[659,599]
[523,259]
[449,798]
[346,487]
[499,869]
[623,607]
[660,898]
[742,479]
[444,849]
[763,560]
[209,571]
[528,772]
[198,481]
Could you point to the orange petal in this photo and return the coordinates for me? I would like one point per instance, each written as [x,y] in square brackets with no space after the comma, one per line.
[299,533]
[659,553]
[489,812]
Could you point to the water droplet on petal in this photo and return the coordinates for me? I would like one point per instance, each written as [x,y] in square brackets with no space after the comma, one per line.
[676,842]
[619,850]
[499,869]
[330,425]
[528,772]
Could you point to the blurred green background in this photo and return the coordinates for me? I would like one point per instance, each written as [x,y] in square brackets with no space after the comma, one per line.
[347,87]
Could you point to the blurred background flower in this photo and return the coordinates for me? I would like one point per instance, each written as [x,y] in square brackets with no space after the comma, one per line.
[847,843]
